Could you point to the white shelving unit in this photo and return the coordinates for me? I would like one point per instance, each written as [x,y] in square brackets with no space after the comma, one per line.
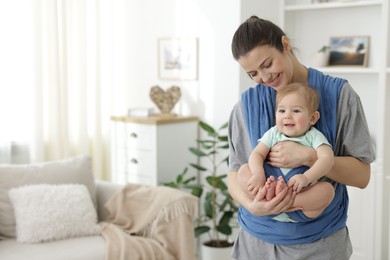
[349,70]
[310,26]
[305,5]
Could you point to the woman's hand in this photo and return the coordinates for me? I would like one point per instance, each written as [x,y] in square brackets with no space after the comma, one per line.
[289,154]
[283,202]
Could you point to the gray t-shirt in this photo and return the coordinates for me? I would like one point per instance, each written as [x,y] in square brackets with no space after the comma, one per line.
[352,139]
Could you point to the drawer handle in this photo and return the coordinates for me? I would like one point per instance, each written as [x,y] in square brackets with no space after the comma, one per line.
[133,135]
[133,160]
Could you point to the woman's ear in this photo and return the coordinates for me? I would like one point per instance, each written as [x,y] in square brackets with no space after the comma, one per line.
[286,43]
[314,118]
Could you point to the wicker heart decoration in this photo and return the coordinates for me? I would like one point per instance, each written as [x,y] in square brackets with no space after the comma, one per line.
[165,100]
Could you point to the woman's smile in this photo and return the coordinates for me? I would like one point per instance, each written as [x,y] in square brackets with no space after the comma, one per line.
[274,82]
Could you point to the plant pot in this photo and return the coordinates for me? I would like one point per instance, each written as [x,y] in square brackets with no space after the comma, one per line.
[215,253]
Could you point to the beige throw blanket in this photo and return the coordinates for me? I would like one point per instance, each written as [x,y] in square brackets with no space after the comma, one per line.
[150,223]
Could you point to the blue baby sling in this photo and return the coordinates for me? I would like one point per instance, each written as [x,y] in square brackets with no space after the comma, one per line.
[259,110]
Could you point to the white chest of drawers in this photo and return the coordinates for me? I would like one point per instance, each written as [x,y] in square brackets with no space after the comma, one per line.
[151,150]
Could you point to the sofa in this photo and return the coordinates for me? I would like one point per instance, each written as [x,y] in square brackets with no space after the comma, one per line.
[57,210]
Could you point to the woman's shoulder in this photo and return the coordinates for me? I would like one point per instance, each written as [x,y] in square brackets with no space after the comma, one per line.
[348,96]
[237,108]
[346,90]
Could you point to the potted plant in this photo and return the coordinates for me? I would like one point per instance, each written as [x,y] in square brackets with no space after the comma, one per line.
[218,208]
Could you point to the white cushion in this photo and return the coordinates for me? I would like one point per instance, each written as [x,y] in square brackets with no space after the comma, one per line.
[53,212]
[76,170]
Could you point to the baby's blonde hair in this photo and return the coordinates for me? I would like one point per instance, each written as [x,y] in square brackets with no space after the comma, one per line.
[309,93]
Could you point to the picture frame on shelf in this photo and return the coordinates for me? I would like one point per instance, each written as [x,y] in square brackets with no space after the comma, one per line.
[178,58]
[349,51]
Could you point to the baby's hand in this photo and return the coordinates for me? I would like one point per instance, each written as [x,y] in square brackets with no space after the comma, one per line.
[298,182]
[254,184]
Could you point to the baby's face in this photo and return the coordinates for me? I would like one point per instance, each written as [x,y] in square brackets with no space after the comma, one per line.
[293,117]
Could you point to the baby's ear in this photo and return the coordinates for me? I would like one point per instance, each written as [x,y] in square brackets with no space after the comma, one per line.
[314,117]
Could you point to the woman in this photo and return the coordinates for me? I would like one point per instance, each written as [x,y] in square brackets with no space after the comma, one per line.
[263,50]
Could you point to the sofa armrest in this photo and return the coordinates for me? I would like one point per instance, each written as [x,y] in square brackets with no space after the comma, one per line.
[104,191]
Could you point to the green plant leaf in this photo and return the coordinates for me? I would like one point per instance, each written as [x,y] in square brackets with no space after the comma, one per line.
[217,182]
[213,152]
[225,125]
[198,167]
[185,182]
[226,146]
[209,129]
[225,203]
[197,191]
[179,178]
[197,152]
[201,230]
[213,181]
[225,219]
[221,185]
[170,184]
[223,138]
[226,160]
[225,229]
[206,141]
[208,205]
[207,145]
[184,172]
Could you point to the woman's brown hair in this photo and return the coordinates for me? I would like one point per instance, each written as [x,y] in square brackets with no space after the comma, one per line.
[255,32]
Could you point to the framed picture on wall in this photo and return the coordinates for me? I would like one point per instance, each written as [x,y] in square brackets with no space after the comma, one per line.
[178,58]
[349,51]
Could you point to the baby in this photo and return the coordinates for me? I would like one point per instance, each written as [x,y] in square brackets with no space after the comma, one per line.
[296,113]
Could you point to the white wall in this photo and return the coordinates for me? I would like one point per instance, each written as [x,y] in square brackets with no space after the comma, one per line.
[211,96]
[220,81]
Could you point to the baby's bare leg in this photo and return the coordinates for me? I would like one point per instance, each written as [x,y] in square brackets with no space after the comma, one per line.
[314,199]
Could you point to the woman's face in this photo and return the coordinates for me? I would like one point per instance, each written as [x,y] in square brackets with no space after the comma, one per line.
[268,66]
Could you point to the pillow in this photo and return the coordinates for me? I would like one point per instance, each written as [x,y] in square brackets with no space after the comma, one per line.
[53,212]
[76,170]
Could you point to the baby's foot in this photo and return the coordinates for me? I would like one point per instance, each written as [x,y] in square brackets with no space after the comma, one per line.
[280,185]
[270,185]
